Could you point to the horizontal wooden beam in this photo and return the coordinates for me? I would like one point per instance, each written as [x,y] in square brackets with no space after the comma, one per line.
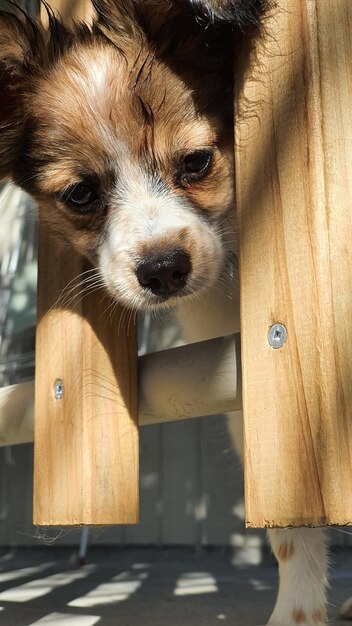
[180,383]
[198,379]
[17,414]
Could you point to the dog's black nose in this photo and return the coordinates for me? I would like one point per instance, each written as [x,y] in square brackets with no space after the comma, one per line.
[165,274]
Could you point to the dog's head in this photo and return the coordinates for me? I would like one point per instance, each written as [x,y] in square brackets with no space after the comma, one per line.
[122,133]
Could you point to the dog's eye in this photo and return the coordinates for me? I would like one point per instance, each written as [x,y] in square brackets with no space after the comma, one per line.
[80,196]
[195,165]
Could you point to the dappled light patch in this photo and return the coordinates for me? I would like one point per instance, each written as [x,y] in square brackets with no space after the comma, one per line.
[41,587]
[67,619]
[120,588]
[195,583]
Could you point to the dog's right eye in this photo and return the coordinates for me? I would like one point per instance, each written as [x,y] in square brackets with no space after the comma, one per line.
[195,166]
[79,197]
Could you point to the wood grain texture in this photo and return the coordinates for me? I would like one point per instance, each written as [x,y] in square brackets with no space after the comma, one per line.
[70,10]
[86,444]
[294,190]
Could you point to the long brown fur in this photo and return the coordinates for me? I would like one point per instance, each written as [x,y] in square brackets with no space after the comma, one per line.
[144,44]
[117,106]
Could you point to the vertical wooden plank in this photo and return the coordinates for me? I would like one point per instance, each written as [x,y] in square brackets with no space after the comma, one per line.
[86,443]
[294,189]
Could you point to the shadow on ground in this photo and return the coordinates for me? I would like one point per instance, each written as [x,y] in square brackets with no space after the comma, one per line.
[148,587]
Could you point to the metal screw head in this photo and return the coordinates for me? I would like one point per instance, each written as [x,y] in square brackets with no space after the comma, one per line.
[277,336]
[59,389]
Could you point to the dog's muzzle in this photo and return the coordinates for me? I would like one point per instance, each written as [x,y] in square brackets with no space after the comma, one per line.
[164,274]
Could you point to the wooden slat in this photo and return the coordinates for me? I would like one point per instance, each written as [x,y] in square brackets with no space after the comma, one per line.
[175,384]
[69,10]
[86,444]
[294,185]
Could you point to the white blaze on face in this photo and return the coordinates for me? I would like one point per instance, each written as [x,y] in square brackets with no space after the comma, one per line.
[146,217]
[93,73]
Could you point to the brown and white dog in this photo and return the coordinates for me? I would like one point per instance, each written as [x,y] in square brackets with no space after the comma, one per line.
[122,133]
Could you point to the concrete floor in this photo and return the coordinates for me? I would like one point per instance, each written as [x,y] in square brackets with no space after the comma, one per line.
[148,587]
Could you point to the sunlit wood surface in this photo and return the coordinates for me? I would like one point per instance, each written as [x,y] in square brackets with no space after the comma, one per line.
[294,190]
[86,443]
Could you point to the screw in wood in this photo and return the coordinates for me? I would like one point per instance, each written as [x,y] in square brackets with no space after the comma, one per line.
[277,336]
[59,389]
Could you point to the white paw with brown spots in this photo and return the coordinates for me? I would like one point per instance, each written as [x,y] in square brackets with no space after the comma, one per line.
[300,618]
[346,609]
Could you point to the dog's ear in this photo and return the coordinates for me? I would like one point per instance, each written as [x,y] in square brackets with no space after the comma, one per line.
[170,30]
[245,15]
[154,20]
[15,52]
[21,44]
[117,21]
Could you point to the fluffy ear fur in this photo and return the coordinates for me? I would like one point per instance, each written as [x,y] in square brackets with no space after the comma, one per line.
[170,31]
[19,41]
[141,19]
[165,29]
[117,20]
[27,52]
[244,15]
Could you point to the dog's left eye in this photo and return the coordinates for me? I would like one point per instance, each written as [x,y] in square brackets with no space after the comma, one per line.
[195,165]
[80,196]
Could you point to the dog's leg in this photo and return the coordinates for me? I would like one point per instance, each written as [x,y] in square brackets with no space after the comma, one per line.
[302,558]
